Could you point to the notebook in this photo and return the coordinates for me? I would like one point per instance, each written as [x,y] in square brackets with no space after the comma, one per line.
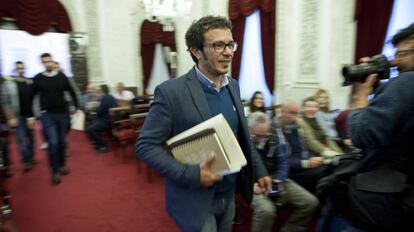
[214,135]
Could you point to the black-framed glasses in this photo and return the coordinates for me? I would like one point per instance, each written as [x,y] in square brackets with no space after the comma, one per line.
[403,52]
[219,47]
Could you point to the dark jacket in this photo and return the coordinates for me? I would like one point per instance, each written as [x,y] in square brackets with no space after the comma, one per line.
[384,130]
[178,105]
[274,156]
[105,103]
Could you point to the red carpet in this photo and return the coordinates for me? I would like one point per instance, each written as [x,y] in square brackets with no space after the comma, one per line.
[100,194]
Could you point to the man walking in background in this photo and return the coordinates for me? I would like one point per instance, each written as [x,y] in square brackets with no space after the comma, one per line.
[17,106]
[51,85]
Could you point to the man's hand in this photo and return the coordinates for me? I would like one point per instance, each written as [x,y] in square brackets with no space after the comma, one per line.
[265,183]
[207,177]
[315,162]
[363,90]
[348,142]
[257,190]
[75,111]
[13,122]
[31,122]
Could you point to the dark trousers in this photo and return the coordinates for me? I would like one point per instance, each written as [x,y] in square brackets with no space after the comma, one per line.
[55,126]
[94,131]
[26,140]
[4,150]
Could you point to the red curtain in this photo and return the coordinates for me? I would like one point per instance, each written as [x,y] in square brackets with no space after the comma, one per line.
[36,16]
[151,34]
[238,11]
[372,18]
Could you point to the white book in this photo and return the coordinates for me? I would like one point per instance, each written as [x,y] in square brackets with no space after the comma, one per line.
[213,135]
[78,121]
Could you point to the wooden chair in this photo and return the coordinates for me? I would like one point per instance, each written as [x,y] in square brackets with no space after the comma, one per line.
[141,104]
[125,134]
[121,129]
[140,108]
[119,113]
[138,122]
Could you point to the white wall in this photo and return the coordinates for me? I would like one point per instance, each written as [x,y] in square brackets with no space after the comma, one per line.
[119,30]
[314,38]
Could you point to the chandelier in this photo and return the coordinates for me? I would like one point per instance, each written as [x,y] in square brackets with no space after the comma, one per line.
[167,10]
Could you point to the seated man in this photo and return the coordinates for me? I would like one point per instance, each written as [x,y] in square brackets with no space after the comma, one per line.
[313,133]
[102,121]
[305,168]
[123,94]
[90,97]
[277,165]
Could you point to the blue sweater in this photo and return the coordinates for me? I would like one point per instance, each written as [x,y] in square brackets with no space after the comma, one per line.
[222,102]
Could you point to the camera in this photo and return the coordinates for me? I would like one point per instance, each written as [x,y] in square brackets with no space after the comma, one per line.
[359,73]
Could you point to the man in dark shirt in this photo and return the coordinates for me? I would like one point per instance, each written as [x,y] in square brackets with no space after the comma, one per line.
[384,129]
[102,122]
[50,85]
[17,106]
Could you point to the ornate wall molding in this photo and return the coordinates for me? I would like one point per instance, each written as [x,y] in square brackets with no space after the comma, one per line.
[309,43]
[314,39]
[94,45]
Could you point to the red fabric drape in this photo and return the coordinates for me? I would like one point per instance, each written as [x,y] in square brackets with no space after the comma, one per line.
[152,33]
[36,16]
[7,8]
[372,18]
[267,19]
[238,11]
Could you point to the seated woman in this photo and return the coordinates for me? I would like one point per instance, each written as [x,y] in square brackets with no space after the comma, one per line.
[326,117]
[313,133]
[256,103]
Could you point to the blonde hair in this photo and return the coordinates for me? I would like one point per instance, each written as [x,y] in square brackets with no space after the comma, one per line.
[317,94]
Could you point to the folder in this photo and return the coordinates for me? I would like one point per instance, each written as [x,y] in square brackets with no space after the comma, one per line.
[78,121]
[199,142]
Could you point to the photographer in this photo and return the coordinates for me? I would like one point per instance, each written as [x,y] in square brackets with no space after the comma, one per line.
[381,195]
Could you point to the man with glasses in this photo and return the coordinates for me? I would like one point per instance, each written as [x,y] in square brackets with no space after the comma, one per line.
[271,145]
[197,198]
[384,130]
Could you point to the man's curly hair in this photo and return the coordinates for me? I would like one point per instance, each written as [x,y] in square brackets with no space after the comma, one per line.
[404,34]
[194,37]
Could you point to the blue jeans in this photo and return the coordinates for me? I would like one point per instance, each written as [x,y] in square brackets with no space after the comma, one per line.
[220,216]
[25,138]
[55,126]
[95,129]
